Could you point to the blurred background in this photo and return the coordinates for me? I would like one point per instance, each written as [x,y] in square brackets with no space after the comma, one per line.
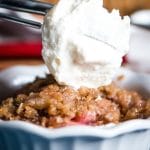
[21,45]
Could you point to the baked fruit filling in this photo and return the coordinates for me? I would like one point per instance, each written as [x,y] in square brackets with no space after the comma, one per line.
[48,104]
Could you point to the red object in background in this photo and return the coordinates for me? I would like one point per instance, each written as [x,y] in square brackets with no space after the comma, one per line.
[21,49]
[26,49]
[125,60]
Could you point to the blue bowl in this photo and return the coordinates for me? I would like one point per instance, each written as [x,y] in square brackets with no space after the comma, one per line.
[19,135]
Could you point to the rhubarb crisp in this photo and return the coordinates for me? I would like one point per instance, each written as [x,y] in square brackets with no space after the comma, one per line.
[48,104]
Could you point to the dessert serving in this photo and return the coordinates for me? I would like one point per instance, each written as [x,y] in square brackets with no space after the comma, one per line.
[48,104]
[83,46]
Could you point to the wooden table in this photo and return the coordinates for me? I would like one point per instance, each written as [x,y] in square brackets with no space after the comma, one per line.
[6,63]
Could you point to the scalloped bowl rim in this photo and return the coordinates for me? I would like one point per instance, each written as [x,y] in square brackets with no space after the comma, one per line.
[105,131]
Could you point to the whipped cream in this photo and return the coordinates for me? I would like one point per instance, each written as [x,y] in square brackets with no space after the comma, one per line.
[83,43]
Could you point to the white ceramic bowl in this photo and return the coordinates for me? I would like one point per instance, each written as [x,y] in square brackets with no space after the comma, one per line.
[18,135]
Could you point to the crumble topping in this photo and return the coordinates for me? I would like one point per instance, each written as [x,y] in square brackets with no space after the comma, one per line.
[48,104]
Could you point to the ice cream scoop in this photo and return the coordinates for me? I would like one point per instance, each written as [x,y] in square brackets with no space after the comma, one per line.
[83,43]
